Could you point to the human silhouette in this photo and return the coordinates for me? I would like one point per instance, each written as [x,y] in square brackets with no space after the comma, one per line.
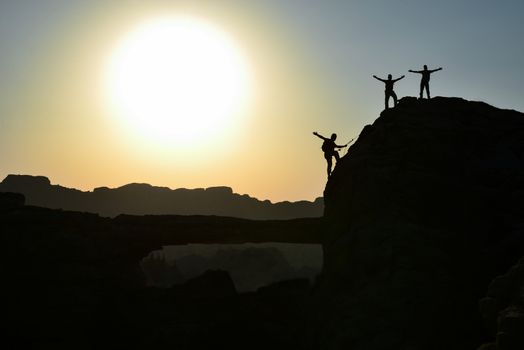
[389,89]
[329,148]
[424,82]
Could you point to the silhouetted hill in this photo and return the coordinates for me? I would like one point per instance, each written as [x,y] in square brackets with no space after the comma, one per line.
[426,208]
[144,199]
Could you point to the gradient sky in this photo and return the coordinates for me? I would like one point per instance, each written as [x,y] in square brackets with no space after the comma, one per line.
[312,62]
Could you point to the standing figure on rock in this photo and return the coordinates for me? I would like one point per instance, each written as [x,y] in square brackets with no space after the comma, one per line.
[424,82]
[329,148]
[389,89]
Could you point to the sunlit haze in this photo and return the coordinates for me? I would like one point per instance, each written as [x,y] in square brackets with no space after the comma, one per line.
[178,82]
[227,93]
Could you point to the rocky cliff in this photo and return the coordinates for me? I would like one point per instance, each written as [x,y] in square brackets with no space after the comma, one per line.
[503,309]
[426,208]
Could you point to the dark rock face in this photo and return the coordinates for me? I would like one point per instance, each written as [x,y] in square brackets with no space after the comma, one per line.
[9,200]
[144,199]
[160,272]
[422,210]
[503,309]
[211,284]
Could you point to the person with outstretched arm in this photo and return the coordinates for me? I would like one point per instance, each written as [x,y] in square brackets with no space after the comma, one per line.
[389,89]
[424,82]
[329,148]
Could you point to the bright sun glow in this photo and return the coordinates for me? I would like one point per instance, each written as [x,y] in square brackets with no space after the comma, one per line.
[178,80]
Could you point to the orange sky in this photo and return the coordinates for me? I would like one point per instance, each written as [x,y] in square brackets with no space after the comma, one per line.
[65,131]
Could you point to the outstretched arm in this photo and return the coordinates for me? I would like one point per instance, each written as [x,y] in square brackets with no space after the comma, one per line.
[415,71]
[382,80]
[345,144]
[435,70]
[318,135]
[402,77]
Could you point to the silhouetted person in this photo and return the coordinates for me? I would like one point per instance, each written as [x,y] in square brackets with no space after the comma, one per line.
[329,147]
[389,89]
[424,82]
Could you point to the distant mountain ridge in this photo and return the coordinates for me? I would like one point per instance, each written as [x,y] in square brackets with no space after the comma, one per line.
[145,199]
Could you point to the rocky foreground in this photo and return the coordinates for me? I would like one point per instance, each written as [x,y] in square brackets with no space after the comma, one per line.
[423,233]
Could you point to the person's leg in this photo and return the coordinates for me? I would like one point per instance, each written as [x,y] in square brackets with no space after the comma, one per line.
[386,100]
[329,165]
[394,95]
[421,89]
[337,156]
[427,90]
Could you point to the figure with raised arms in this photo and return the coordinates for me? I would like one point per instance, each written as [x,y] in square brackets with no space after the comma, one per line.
[389,89]
[424,82]
[329,148]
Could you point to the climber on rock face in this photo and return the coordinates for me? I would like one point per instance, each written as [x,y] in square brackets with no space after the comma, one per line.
[329,148]
[389,89]
[424,82]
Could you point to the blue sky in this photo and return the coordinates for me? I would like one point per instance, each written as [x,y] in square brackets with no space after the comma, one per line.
[479,43]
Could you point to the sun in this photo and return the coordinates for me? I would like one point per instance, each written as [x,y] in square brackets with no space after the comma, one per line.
[178,80]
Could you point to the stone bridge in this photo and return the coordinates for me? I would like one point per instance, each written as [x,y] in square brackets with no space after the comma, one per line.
[110,249]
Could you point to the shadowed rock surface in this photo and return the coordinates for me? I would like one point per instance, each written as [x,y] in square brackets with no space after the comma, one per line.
[144,199]
[11,201]
[427,208]
[503,309]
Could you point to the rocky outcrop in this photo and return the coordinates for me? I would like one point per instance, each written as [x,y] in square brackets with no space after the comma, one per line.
[503,309]
[144,199]
[422,209]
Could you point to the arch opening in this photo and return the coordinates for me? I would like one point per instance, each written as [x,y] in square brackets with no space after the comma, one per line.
[250,265]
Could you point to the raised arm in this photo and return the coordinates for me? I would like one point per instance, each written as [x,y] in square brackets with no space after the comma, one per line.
[415,71]
[435,70]
[402,77]
[318,135]
[382,80]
